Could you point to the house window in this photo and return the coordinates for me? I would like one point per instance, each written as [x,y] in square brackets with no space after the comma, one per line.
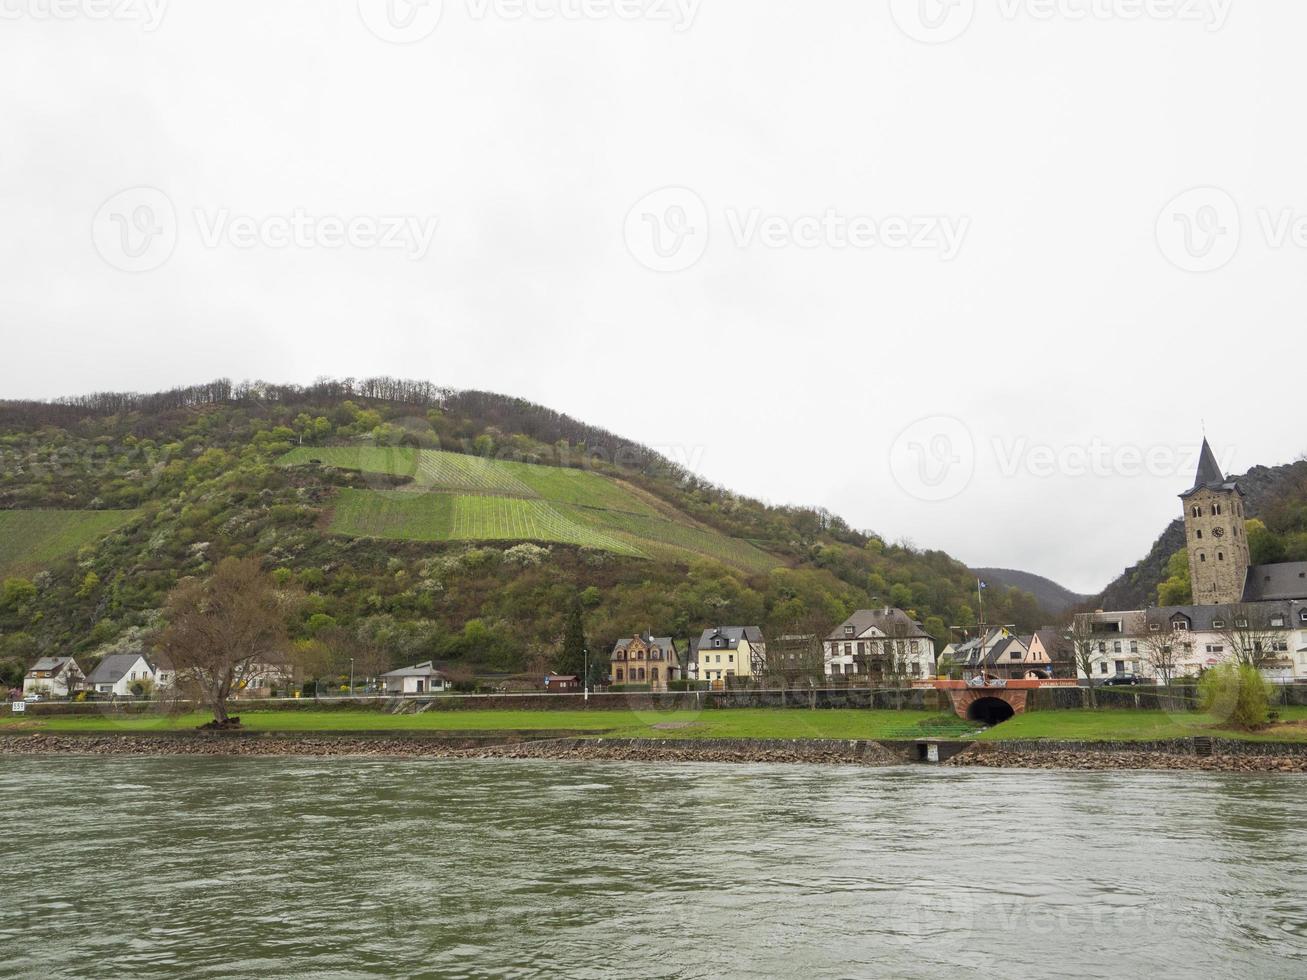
[1134,646]
[1102,667]
[862,648]
[1202,557]
[1302,616]
[653,673]
[848,631]
[619,675]
[730,659]
[1179,624]
[1277,622]
[1155,627]
[1120,666]
[1241,623]
[1102,647]
[1116,647]
[1218,624]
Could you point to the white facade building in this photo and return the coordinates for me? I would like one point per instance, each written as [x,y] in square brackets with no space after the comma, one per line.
[886,642]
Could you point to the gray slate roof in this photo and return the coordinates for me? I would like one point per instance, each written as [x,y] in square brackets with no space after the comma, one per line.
[112,668]
[1285,580]
[662,642]
[56,664]
[1209,475]
[1204,618]
[890,621]
[424,669]
[731,634]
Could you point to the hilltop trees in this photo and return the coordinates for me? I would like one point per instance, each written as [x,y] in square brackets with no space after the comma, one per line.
[221,628]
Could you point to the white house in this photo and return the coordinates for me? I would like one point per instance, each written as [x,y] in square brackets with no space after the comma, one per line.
[885,642]
[55,677]
[421,679]
[1185,640]
[119,673]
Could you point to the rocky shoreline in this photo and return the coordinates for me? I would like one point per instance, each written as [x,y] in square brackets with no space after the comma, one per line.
[1179,757]
[818,751]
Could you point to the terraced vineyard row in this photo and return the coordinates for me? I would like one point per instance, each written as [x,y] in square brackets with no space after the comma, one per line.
[453,497]
[431,469]
[30,539]
[450,517]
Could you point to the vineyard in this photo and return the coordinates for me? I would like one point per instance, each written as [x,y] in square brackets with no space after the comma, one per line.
[30,539]
[454,497]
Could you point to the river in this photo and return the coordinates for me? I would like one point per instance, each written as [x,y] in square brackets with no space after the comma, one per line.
[240,867]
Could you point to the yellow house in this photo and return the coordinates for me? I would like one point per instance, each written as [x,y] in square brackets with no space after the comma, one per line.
[725,652]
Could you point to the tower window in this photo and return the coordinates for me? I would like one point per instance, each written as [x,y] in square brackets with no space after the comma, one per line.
[1220,556]
[1201,556]
[1200,535]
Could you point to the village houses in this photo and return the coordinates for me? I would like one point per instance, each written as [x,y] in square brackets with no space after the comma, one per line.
[645,659]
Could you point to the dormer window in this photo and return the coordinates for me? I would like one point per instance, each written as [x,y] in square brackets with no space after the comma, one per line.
[1302,616]
[1179,625]
[1218,624]
[1156,627]
[1277,622]
[848,631]
[1241,623]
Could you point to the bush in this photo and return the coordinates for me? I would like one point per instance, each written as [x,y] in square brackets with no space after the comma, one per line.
[1237,694]
[687,685]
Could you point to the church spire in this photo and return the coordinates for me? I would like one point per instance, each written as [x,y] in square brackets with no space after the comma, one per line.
[1209,472]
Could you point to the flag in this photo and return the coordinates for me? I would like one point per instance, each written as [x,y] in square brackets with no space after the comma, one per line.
[981,584]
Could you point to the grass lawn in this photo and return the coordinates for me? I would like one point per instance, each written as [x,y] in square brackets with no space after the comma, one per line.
[720,723]
[1134,726]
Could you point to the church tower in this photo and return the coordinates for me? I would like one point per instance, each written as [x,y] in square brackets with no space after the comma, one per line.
[1214,535]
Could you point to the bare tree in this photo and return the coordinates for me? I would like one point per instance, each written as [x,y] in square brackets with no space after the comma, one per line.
[1247,628]
[1083,639]
[1159,651]
[219,629]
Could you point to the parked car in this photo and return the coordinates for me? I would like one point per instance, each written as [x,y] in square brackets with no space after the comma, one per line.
[32,697]
[1122,680]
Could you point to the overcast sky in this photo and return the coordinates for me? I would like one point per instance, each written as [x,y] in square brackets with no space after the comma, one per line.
[966,273]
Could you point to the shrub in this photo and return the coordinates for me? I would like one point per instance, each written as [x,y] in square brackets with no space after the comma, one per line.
[1237,694]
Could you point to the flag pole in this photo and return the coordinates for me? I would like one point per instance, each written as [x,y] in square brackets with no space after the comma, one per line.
[981,599]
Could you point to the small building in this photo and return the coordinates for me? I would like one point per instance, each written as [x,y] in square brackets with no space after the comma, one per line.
[56,677]
[562,683]
[121,675]
[997,653]
[729,652]
[420,679]
[645,659]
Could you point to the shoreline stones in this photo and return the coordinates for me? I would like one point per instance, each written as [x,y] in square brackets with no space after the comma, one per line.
[1051,756]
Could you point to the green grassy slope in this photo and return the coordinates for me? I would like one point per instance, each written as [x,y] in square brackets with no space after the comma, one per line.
[30,539]
[453,497]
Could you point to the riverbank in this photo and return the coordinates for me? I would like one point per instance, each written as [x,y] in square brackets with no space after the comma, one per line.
[1226,755]
[481,746]
[1175,754]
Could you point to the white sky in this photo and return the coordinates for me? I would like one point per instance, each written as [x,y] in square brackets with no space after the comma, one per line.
[1052,140]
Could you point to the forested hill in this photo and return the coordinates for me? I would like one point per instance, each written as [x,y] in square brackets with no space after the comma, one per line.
[1053,597]
[419,522]
[1276,497]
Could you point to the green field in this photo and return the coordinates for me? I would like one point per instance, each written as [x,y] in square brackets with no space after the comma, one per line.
[732,723]
[30,539]
[453,497]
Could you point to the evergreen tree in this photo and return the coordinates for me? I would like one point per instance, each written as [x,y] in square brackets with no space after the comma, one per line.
[573,659]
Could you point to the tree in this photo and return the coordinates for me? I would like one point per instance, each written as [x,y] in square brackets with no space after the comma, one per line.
[1236,694]
[572,658]
[1247,628]
[1159,651]
[218,629]
[1177,588]
[1083,640]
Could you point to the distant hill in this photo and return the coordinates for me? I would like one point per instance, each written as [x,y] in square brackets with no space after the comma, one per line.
[417,523]
[1265,486]
[1051,596]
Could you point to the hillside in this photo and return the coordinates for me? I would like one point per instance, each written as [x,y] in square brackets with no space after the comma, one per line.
[1276,495]
[418,522]
[1053,597]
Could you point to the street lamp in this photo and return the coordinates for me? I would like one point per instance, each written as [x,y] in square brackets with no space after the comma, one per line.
[351,676]
[585,677]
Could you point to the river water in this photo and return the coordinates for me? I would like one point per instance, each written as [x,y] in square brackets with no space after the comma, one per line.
[268,867]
